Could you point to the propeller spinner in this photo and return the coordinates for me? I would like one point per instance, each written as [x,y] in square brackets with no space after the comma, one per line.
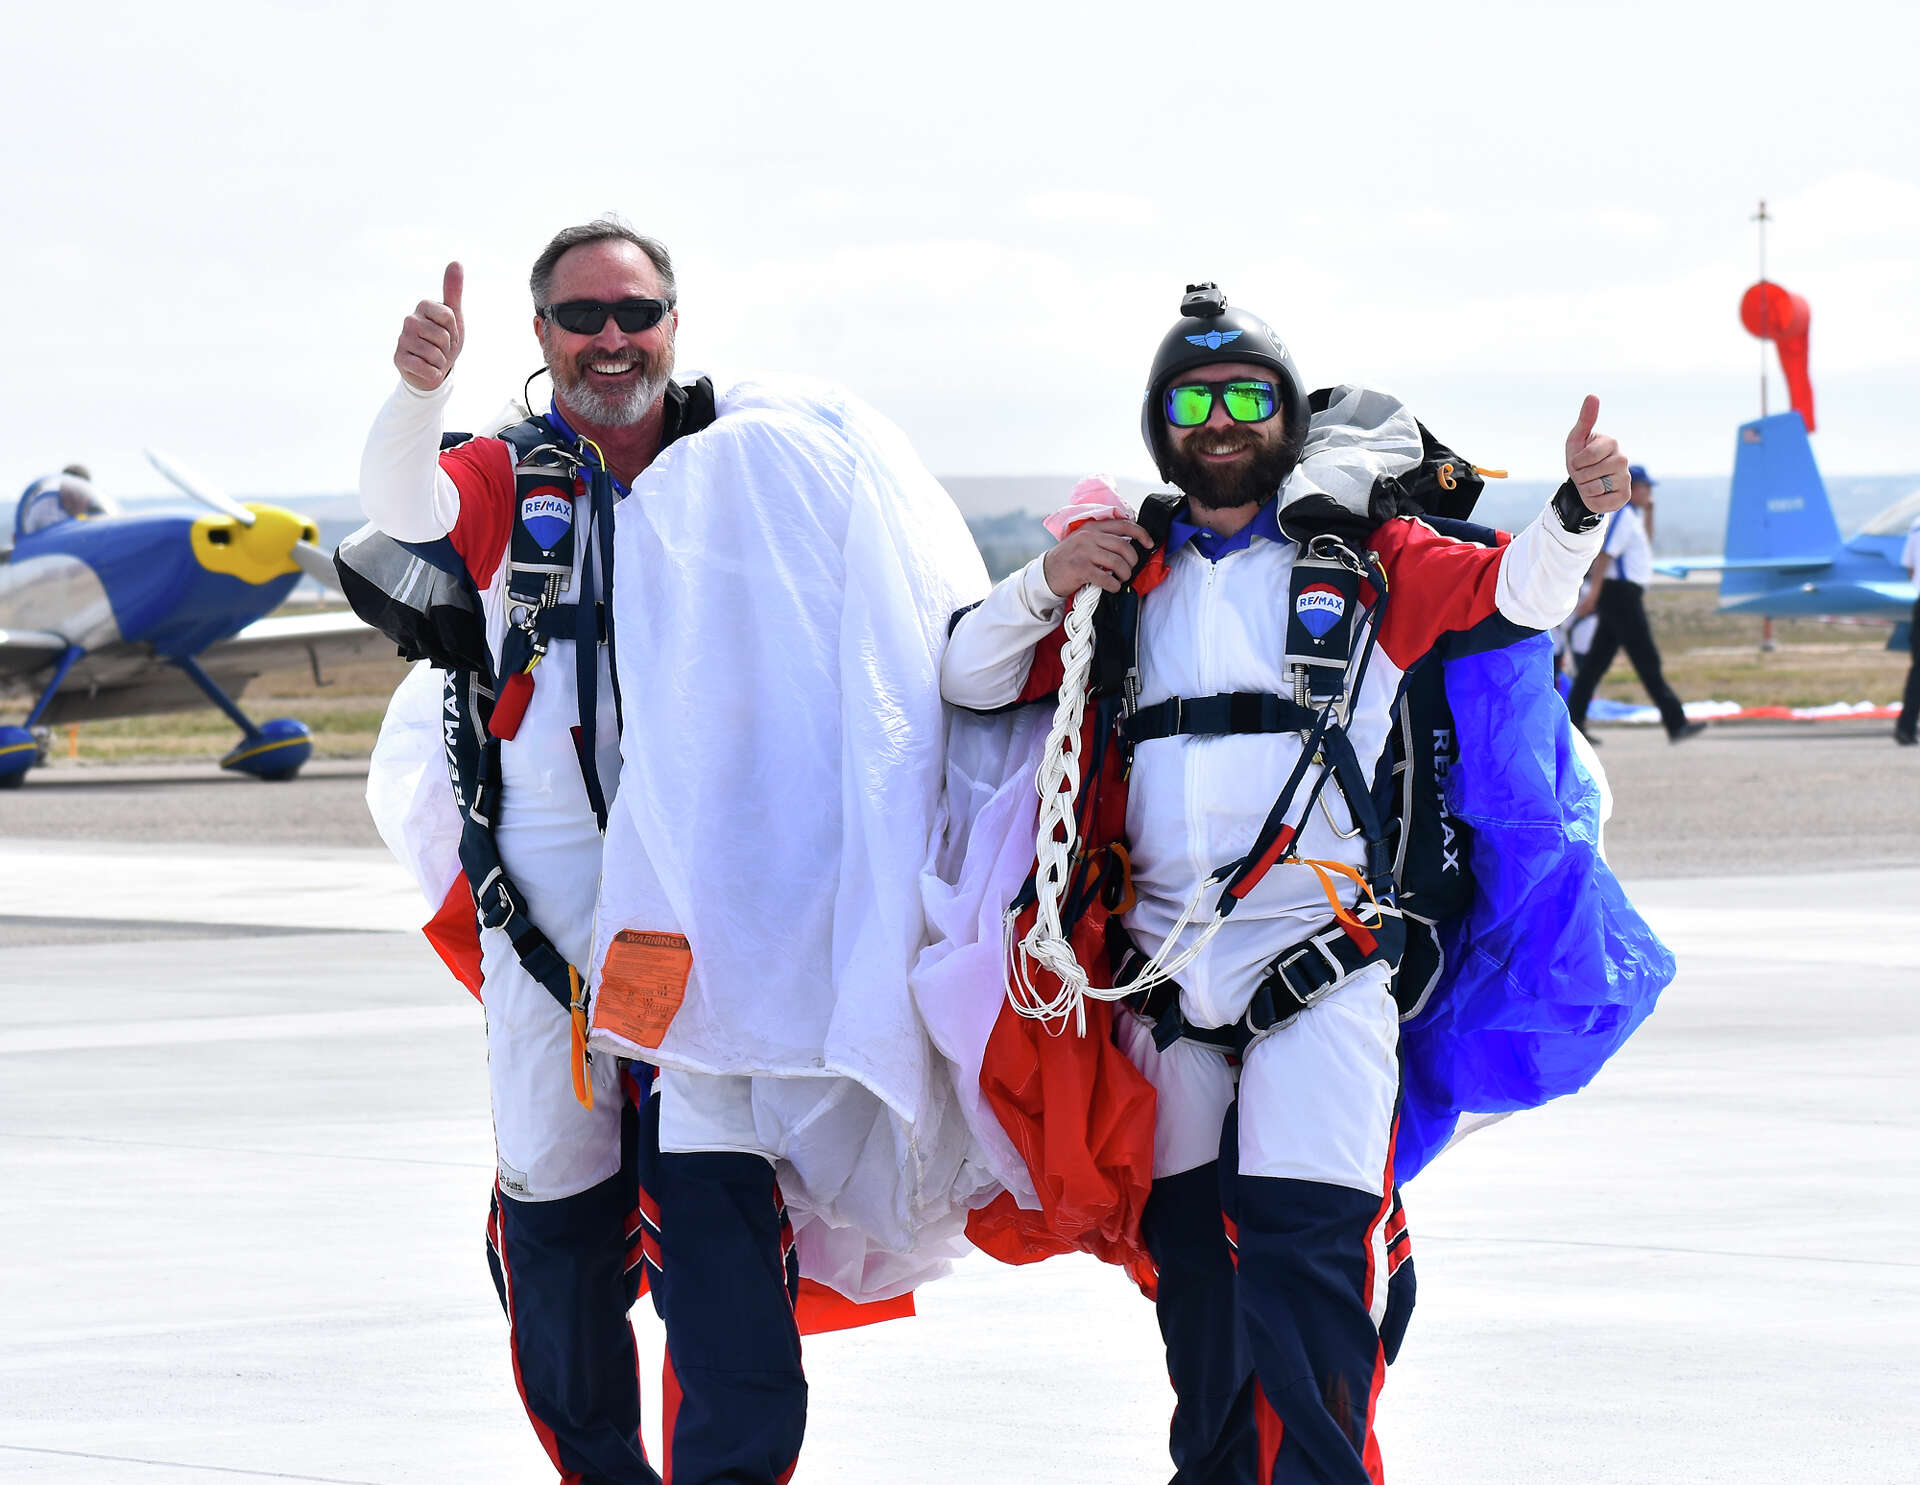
[312,560]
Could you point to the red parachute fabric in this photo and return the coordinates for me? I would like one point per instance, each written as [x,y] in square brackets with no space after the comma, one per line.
[1772,313]
[820,1309]
[455,935]
[1080,1114]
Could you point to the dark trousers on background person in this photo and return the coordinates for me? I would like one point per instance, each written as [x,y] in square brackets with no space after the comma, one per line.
[1910,702]
[1623,626]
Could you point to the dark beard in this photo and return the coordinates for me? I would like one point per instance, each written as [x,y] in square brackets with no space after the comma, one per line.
[1249,483]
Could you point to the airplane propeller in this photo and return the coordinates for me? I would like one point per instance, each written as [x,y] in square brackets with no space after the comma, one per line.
[191,484]
[316,562]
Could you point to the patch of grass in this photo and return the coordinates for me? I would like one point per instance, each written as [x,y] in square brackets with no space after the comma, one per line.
[344,715]
[1710,655]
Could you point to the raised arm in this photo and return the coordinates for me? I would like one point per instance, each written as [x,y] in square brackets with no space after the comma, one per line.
[1439,585]
[403,489]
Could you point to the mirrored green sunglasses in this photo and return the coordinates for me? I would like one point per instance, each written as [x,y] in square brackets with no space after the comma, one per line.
[1191,403]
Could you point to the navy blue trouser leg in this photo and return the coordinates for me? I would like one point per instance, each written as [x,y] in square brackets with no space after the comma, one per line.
[1212,1438]
[562,1274]
[1314,1261]
[725,1278]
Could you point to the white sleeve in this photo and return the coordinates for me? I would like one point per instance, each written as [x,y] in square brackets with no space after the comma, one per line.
[990,650]
[403,489]
[1542,570]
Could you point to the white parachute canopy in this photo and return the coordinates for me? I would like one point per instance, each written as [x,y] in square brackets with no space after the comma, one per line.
[783,584]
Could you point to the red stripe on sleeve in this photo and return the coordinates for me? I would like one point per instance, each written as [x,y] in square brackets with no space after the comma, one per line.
[1436,585]
[1043,679]
[482,468]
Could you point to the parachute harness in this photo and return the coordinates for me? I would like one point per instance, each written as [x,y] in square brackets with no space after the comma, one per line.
[1059,780]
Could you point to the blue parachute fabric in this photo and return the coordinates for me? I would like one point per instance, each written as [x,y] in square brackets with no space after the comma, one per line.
[1551,969]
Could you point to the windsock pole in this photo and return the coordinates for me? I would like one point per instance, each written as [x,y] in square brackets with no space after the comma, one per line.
[1762,218]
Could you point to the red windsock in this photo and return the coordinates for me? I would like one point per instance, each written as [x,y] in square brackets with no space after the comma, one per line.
[1771,313]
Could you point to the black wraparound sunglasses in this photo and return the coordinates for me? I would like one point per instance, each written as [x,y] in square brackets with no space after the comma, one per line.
[589,316]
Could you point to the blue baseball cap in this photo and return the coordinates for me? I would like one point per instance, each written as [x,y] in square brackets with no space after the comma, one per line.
[1637,474]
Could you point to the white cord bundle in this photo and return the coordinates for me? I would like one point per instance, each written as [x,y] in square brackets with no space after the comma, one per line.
[1059,781]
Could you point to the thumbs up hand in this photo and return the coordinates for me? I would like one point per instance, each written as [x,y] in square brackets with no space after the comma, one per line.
[1595,464]
[431,337]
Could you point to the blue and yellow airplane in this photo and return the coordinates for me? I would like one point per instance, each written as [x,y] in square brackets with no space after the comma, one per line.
[126,615]
[1784,555]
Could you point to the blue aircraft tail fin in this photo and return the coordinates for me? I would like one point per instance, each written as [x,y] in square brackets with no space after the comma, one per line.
[1778,510]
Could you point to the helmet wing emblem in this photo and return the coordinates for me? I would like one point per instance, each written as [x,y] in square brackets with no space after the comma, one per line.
[1214,339]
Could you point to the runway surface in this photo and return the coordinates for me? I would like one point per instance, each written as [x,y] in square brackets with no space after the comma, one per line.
[245,1146]
[1750,797]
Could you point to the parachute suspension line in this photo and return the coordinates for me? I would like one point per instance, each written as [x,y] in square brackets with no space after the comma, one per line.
[1059,781]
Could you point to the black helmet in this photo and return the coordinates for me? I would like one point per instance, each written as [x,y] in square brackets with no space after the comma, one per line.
[1209,332]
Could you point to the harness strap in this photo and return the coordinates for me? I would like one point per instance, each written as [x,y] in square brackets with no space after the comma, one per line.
[562,621]
[1276,836]
[1296,979]
[536,576]
[1217,716]
[601,488]
[586,660]
[473,756]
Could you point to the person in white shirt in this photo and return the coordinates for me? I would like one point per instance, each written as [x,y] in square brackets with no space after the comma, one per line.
[1904,731]
[1616,594]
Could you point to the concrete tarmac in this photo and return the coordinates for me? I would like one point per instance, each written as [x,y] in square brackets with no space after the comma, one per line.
[246,1153]
[1747,797]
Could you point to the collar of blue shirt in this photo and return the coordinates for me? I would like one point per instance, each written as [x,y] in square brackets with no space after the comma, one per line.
[1212,545]
[561,426]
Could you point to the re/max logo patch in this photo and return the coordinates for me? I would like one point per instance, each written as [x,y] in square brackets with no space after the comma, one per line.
[548,516]
[1320,607]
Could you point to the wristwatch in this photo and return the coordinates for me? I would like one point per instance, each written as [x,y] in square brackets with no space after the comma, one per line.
[1572,510]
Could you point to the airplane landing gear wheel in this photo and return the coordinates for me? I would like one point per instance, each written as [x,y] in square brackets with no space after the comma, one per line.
[18,753]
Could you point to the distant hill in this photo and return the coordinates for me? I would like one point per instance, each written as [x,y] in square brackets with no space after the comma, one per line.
[1003,511]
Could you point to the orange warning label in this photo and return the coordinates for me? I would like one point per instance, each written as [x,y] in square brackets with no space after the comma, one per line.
[643,980]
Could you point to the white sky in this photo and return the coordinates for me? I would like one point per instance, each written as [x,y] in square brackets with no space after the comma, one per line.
[980,218]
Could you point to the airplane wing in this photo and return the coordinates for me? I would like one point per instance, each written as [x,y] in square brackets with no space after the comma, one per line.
[129,680]
[23,651]
[1894,592]
[312,639]
[1682,566]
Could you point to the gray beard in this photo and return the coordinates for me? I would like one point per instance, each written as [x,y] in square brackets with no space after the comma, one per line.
[612,410]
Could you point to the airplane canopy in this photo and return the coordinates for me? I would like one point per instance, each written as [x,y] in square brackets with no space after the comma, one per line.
[1895,519]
